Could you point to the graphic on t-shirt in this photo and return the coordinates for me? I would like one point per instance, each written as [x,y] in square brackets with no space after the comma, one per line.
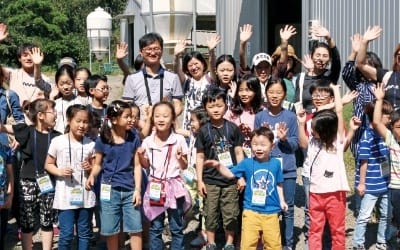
[263,179]
[221,144]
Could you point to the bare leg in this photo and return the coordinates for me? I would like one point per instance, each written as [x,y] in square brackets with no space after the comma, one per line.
[47,240]
[136,241]
[27,241]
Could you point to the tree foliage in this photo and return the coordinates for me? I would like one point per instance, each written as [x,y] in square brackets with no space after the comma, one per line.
[57,26]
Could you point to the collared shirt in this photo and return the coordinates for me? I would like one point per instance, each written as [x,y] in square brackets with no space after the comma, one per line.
[135,88]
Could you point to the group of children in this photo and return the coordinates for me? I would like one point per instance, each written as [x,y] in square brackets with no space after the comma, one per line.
[235,156]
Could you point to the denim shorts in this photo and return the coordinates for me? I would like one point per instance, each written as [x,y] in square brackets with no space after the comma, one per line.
[120,208]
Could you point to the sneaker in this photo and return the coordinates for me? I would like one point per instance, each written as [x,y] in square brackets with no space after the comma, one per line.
[286,248]
[199,241]
[359,247]
[211,247]
[380,246]
[229,247]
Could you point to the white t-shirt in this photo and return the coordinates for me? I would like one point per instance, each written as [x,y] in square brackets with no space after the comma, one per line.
[71,156]
[327,168]
[61,108]
[24,85]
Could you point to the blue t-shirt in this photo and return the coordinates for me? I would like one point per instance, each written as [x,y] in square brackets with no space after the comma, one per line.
[282,149]
[118,161]
[5,158]
[373,149]
[265,175]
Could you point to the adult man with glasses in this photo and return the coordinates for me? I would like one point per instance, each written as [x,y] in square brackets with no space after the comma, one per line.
[153,83]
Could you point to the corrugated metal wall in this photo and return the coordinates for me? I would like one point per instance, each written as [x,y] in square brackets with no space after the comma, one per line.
[343,18]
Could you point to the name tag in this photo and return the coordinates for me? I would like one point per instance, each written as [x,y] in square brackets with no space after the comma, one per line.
[259,197]
[45,184]
[189,174]
[225,159]
[105,192]
[155,191]
[76,196]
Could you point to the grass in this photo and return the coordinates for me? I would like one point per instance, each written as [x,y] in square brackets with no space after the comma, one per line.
[348,156]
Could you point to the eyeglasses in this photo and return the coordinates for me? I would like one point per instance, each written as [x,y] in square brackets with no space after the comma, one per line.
[319,97]
[104,89]
[153,49]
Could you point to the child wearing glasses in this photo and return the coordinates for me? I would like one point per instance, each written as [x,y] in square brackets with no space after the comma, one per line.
[66,97]
[97,88]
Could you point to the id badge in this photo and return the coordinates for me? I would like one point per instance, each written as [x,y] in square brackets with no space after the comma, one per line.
[247,152]
[385,168]
[76,196]
[105,192]
[189,174]
[155,191]
[225,159]
[45,184]
[259,197]
[2,197]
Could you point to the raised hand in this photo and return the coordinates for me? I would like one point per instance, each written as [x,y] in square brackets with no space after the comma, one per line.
[3,31]
[287,32]
[308,63]
[372,33]
[355,42]
[320,31]
[282,131]
[354,123]
[349,96]
[246,31]
[122,51]
[212,41]
[232,89]
[180,47]
[379,91]
[301,116]
[36,55]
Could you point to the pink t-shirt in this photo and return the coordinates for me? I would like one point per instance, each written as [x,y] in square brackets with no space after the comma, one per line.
[328,171]
[247,118]
[157,155]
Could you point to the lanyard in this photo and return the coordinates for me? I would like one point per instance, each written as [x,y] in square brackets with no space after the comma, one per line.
[35,154]
[146,83]
[70,157]
[166,161]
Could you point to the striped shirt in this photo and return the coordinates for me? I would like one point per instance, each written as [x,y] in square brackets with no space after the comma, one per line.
[355,81]
[394,148]
[373,149]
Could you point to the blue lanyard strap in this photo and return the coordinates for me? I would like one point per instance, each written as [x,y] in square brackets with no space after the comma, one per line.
[221,141]
[35,155]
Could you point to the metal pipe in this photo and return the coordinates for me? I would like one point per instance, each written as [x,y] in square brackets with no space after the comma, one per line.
[194,34]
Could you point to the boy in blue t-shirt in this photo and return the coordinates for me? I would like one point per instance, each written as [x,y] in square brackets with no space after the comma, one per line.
[6,189]
[372,179]
[263,195]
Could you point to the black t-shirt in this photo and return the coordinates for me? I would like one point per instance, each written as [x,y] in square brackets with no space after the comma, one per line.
[209,141]
[25,135]
[392,86]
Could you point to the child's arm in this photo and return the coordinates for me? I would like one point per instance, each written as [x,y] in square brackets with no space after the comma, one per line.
[6,128]
[376,120]
[137,171]
[367,70]
[212,42]
[282,201]
[224,171]
[245,34]
[201,188]
[239,154]
[354,124]
[182,159]
[95,171]
[146,126]
[50,166]
[363,172]
[141,154]
[301,119]
[183,132]
[349,97]
[338,109]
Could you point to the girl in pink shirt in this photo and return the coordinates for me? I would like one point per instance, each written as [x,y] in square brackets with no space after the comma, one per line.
[246,103]
[164,152]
